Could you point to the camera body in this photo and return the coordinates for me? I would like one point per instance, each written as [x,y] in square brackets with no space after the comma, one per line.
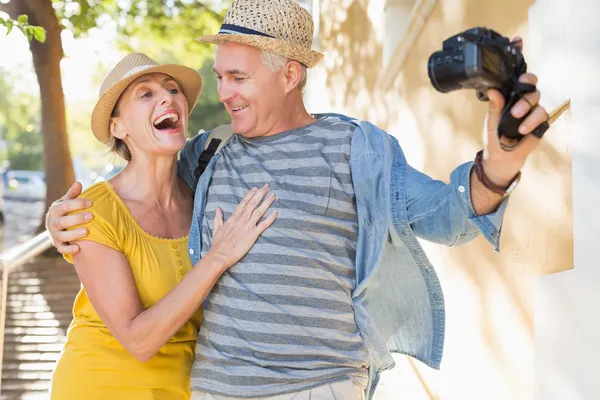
[482,59]
[478,58]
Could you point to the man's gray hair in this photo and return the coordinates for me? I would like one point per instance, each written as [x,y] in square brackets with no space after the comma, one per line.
[275,62]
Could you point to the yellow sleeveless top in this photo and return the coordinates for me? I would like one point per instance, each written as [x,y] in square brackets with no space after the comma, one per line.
[93,364]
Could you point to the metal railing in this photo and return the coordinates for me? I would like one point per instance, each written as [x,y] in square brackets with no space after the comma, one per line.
[10,262]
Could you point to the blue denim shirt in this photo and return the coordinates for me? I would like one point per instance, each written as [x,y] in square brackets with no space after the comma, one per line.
[398,301]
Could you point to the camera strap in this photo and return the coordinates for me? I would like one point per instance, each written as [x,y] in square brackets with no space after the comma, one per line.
[509,126]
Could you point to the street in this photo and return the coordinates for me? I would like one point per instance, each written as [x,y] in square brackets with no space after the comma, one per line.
[22,219]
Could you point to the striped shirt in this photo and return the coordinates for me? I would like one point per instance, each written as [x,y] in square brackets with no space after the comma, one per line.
[281,320]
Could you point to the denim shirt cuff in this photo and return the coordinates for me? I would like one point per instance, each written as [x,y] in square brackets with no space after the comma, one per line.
[490,225]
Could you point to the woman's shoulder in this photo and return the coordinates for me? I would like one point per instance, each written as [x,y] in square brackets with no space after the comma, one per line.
[97,191]
[108,223]
[102,195]
[105,203]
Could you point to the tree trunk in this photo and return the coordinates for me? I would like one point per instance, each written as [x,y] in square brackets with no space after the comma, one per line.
[46,60]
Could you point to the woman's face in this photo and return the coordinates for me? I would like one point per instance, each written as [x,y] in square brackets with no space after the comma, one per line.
[152,116]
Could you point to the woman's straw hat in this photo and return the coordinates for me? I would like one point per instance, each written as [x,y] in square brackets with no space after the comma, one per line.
[126,71]
[279,26]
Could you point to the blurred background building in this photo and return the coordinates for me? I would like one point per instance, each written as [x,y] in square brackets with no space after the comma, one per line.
[517,327]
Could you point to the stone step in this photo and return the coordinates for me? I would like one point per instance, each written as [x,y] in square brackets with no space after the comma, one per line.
[59,308]
[41,323]
[46,315]
[40,282]
[26,375]
[36,331]
[39,307]
[10,384]
[24,395]
[37,289]
[36,298]
[19,357]
[29,366]
[33,339]
[46,273]
[33,347]
[46,298]
[39,311]
[61,323]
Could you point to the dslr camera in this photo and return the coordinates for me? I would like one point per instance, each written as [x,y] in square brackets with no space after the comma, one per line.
[482,59]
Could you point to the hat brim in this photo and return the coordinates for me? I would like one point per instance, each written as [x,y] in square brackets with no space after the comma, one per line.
[310,58]
[189,80]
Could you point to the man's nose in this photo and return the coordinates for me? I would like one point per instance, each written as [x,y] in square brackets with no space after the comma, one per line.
[224,92]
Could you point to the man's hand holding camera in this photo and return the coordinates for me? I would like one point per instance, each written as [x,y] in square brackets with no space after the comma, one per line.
[502,167]
[494,66]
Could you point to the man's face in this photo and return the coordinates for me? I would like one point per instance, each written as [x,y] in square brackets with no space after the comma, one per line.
[153,112]
[253,95]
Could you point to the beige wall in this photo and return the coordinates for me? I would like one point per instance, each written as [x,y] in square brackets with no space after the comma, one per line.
[489,298]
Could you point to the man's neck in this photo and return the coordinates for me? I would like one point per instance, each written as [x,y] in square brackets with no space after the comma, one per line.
[295,116]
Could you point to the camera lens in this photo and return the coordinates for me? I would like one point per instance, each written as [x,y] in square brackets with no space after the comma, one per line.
[445,71]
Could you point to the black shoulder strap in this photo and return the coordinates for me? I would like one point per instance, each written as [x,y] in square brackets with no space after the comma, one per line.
[204,159]
[217,138]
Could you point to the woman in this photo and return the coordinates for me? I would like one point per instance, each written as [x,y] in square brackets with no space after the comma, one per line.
[136,317]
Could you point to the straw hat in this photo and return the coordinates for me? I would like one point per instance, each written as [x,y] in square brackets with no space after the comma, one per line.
[280,26]
[126,71]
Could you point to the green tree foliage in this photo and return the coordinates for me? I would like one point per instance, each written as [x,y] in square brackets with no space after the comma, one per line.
[22,23]
[165,26]
[20,125]
[19,122]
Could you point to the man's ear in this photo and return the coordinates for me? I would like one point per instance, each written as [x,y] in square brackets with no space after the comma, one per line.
[292,71]
[117,129]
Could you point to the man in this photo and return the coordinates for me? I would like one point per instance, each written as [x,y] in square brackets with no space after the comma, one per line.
[339,281]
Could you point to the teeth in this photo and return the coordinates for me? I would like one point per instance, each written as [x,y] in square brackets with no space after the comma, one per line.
[160,119]
[239,108]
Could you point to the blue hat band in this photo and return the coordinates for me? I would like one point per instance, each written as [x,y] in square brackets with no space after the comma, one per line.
[227,29]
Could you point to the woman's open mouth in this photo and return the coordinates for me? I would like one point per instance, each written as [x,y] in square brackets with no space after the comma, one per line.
[168,122]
